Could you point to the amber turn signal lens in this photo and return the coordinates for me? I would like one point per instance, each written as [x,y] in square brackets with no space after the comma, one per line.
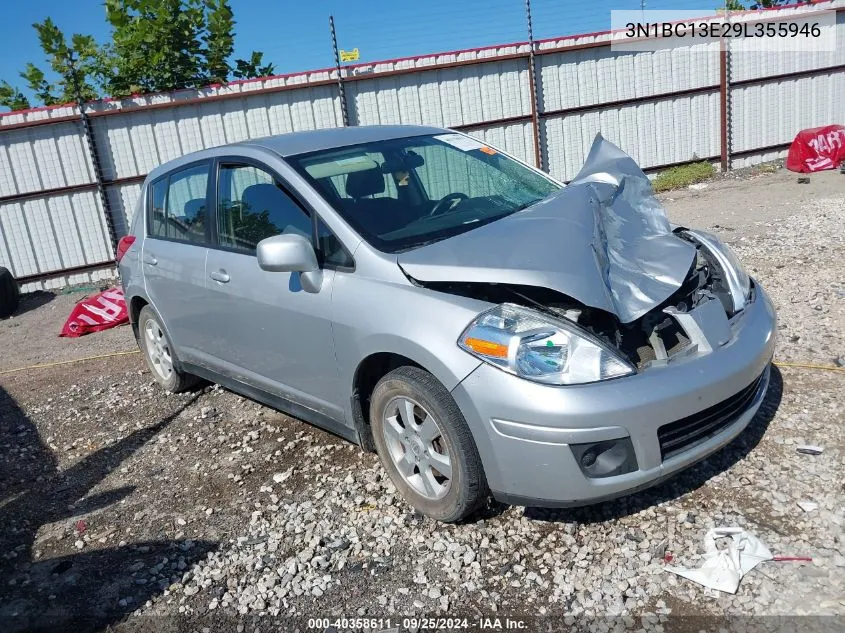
[488,348]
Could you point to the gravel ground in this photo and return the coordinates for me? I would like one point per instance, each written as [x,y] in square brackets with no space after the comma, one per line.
[28,338]
[123,503]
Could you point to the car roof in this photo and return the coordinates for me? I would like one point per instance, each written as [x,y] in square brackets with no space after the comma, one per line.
[303,142]
[315,140]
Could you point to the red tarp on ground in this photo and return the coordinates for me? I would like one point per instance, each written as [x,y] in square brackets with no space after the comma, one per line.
[99,312]
[817,149]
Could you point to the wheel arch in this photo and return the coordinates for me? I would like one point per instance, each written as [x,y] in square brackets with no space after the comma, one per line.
[377,364]
[137,302]
[134,307]
[367,374]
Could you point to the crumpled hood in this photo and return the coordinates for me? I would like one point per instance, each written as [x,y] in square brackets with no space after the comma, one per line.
[603,240]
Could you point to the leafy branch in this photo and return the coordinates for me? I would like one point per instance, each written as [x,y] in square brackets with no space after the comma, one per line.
[155,46]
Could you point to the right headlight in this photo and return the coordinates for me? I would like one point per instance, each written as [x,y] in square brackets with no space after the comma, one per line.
[539,347]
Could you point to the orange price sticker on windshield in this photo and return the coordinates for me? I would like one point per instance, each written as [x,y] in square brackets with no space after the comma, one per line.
[487,150]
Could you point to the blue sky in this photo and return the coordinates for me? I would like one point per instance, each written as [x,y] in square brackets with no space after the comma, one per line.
[294,34]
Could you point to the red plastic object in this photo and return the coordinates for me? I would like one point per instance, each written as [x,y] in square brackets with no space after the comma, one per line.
[81,526]
[99,312]
[805,559]
[817,149]
[123,245]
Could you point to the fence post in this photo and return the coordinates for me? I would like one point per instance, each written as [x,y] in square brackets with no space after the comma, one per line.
[340,89]
[532,79]
[92,151]
[724,102]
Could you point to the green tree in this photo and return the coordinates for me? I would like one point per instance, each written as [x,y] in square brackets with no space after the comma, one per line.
[36,82]
[160,45]
[155,45]
[769,4]
[253,67]
[248,227]
[74,63]
[739,5]
[219,40]
[11,97]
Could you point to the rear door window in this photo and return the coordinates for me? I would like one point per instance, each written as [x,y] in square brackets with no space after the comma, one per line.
[178,207]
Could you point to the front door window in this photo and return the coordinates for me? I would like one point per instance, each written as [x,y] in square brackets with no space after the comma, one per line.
[252,207]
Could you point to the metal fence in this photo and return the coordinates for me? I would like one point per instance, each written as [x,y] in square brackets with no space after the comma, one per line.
[665,108]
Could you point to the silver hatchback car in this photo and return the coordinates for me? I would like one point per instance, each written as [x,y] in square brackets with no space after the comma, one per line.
[483,327]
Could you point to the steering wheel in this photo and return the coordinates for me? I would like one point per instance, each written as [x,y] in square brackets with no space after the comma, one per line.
[442,206]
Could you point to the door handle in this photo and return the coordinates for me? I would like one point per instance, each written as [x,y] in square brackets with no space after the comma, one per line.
[150,259]
[220,275]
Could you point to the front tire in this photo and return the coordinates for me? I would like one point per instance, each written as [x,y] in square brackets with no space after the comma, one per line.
[158,352]
[425,445]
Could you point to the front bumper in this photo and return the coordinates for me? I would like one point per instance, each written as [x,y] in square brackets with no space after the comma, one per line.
[523,430]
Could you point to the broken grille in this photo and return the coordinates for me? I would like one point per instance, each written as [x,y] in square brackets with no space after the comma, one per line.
[692,430]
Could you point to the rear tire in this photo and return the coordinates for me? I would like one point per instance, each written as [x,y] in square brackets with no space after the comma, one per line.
[158,352]
[425,445]
[10,294]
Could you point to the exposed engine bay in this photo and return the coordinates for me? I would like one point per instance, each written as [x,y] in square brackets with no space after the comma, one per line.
[601,253]
[654,336]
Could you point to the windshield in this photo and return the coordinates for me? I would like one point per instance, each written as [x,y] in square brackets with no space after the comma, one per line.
[403,193]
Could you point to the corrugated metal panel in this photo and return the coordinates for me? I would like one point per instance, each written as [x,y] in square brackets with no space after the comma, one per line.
[123,200]
[53,233]
[653,133]
[133,144]
[757,158]
[20,249]
[450,97]
[772,114]
[55,283]
[764,115]
[38,114]
[34,159]
[598,75]
[753,64]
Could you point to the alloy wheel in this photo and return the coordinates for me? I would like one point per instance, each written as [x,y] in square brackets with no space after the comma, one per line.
[158,350]
[417,447]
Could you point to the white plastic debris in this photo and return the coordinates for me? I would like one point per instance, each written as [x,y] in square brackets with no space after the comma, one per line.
[808,506]
[282,477]
[724,568]
[809,449]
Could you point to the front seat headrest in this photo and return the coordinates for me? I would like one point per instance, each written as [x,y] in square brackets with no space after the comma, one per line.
[367,182]
[194,210]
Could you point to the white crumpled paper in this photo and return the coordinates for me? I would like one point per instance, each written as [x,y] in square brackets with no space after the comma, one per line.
[722,569]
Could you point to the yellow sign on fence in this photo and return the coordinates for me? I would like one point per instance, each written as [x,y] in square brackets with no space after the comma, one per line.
[350,56]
